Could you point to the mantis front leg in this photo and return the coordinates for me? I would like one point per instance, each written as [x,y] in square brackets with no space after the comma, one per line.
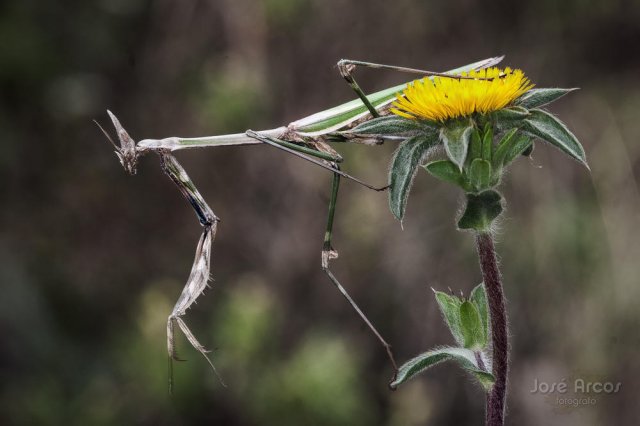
[199,276]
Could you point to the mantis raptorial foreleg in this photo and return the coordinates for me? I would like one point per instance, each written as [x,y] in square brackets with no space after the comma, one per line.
[199,276]
[348,66]
[328,252]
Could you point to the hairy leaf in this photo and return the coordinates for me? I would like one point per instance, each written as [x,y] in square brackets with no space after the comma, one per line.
[393,125]
[519,146]
[403,168]
[465,357]
[450,308]
[481,210]
[480,173]
[508,118]
[512,144]
[475,146]
[538,97]
[548,128]
[501,150]
[487,143]
[447,171]
[455,136]
[473,333]
[479,298]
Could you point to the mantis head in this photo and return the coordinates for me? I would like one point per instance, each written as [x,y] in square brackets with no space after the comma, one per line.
[126,152]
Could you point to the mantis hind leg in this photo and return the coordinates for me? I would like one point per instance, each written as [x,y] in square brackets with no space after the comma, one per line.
[328,253]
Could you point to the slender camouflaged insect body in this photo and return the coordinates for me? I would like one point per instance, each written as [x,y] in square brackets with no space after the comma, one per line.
[308,138]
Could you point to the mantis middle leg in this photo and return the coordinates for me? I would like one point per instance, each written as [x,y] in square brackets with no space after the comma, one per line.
[348,66]
[328,252]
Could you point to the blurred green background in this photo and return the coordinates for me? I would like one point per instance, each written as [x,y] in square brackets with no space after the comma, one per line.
[92,260]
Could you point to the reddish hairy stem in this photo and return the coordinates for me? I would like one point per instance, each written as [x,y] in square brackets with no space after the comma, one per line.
[497,311]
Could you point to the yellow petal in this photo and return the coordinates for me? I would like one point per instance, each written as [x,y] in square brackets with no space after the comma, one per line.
[444,98]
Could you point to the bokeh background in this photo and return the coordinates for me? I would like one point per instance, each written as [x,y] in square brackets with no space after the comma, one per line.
[92,260]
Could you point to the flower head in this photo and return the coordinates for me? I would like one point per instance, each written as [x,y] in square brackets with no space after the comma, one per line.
[443,98]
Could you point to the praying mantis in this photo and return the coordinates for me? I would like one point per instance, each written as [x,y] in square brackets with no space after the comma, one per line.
[307,138]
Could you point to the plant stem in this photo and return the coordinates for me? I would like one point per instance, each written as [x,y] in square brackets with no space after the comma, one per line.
[497,311]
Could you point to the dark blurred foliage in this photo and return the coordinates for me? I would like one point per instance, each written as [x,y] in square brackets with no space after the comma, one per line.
[91,260]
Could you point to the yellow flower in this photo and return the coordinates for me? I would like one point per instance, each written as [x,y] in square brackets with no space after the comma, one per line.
[444,98]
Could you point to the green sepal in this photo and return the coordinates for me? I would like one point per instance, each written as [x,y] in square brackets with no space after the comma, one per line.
[508,118]
[480,174]
[393,125]
[465,357]
[473,334]
[548,128]
[475,146]
[512,144]
[403,169]
[538,97]
[481,210]
[450,308]
[455,136]
[520,146]
[487,142]
[446,171]
[479,298]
